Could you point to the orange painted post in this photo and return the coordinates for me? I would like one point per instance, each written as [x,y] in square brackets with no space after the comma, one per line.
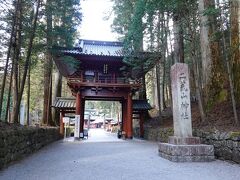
[61,124]
[78,103]
[82,119]
[129,116]
[124,116]
[141,124]
[78,108]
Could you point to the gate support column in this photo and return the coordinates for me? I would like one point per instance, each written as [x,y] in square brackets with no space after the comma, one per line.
[129,116]
[124,116]
[78,105]
[82,119]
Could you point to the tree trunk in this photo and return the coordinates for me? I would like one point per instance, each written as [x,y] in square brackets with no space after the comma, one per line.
[198,88]
[218,75]
[26,64]
[7,59]
[28,95]
[16,57]
[49,113]
[194,57]
[158,73]
[47,67]
[235,45]
[204,43]
[230,74]
[57,90]
[158,87]
[178,39]
[9,97]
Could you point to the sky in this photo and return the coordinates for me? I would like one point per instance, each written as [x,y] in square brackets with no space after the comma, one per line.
[93,26]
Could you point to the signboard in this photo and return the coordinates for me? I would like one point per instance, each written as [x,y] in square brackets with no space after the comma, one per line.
[77,126]
[66,120]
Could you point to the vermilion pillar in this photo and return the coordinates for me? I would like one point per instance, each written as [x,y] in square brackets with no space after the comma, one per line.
[61,124]
[129,116]
[82,118]
[141,119]
[124,116]
[78,105]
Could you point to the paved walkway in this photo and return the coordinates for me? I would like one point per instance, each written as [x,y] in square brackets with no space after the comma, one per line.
[107,158]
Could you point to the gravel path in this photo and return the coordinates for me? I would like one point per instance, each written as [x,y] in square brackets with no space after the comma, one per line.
[108,158]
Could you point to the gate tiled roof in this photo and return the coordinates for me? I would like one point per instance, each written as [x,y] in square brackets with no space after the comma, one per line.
[70,104]
[65,103]
[99,48]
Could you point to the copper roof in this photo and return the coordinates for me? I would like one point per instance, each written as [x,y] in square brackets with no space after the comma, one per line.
[141,105]
[70,104]
[65,103]
[99,48]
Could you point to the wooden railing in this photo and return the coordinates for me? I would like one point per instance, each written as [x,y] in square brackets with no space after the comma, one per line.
[102,80]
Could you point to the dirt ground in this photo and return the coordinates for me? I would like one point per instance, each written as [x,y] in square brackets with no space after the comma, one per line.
[220,117]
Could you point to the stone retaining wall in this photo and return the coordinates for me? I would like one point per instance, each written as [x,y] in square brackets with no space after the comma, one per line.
[226,144]
[16,144]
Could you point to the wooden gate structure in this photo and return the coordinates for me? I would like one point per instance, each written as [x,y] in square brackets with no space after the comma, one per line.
[94,72]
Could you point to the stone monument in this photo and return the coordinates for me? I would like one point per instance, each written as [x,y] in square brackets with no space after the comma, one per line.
[183,147]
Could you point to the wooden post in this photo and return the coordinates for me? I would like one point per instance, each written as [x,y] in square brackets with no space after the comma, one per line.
[141,119]
[82,119]
[124,116]
[62,114]
[78,103]
[129,116]
[78,106]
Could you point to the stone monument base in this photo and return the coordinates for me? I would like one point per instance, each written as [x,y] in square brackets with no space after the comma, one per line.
[186,150]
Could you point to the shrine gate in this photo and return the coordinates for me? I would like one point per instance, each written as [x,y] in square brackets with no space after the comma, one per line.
[94,72]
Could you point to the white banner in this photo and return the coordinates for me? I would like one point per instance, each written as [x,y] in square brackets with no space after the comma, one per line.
[77,126]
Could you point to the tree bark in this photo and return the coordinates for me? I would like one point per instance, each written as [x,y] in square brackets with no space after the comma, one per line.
[196,74]
[16,57]
[158,87]
[28,94]
[26,65]
[7,59]
[48,67]
[178,39]
[9,96]
[218,75]
[204,44]
[57,90]
[235,45]
[230,73]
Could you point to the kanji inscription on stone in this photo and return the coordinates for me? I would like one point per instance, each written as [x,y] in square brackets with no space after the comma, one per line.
[181,100]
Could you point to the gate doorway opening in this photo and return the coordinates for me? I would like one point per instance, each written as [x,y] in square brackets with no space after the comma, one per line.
[106,115]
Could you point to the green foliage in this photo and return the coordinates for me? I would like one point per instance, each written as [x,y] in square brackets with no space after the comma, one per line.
[211,11]
[66,16]
[223,95]
[105,107]
[4,105]
[71,62]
